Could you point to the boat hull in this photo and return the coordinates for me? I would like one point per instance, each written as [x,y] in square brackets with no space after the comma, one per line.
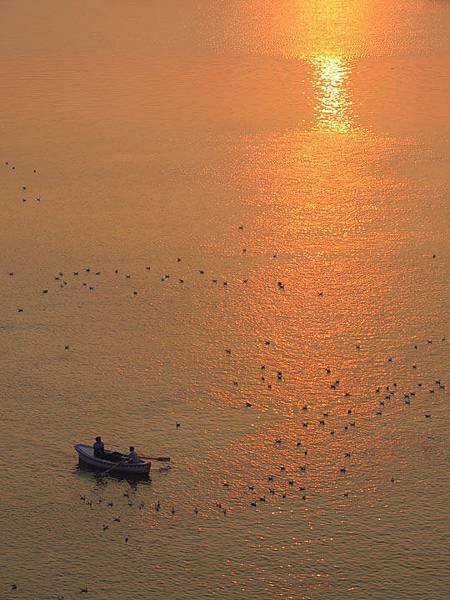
[87,460]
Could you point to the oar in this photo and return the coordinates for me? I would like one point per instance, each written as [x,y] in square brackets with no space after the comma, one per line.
[113,467]
[160,458]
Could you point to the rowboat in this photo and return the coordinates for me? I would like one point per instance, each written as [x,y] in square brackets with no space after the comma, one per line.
[134,470]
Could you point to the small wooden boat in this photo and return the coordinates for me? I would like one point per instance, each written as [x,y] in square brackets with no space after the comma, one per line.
[126,469]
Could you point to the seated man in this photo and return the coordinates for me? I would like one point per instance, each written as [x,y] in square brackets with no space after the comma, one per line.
[100,452]
[99,448]
[133,456]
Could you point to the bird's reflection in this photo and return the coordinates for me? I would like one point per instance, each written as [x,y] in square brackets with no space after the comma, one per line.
[333,108]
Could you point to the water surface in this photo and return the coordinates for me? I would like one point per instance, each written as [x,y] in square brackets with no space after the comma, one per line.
[248,189]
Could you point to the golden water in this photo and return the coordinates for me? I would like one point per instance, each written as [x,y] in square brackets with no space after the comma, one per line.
[305,143]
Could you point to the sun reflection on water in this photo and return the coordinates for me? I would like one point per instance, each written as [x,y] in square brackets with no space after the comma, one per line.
[334,104]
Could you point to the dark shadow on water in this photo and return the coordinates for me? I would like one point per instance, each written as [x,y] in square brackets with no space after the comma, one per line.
[90,473]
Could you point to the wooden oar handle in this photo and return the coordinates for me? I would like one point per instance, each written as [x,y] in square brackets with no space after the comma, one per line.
[160,458]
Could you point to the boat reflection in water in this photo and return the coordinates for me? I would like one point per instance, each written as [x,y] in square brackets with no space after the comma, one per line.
[333,109]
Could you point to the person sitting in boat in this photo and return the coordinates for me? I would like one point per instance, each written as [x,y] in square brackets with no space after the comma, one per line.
[100,452]
[133,456]
[99,448]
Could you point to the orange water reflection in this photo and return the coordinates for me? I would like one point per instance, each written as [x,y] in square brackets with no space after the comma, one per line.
[334,106]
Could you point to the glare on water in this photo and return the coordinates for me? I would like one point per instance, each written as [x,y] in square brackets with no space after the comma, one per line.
[334,105]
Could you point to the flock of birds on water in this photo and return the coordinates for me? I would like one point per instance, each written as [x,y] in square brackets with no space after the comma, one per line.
[290,482]
[89,277]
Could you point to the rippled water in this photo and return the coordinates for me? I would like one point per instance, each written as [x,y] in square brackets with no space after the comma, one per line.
[272,180]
